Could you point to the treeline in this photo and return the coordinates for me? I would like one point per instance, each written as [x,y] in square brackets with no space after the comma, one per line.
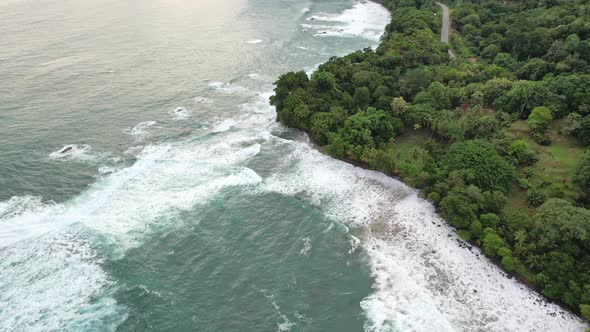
[443,125]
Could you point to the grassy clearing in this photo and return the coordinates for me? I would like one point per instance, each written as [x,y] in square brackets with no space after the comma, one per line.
[410,147]
[556,163]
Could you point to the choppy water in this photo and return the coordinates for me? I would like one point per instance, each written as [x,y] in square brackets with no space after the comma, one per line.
[144,184]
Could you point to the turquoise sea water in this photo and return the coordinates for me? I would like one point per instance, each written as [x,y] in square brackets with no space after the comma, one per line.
[144,184]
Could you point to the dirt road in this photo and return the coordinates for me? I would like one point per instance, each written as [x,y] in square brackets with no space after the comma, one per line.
[446,27]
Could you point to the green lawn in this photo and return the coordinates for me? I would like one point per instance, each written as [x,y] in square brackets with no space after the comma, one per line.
[555,165]
[410,146]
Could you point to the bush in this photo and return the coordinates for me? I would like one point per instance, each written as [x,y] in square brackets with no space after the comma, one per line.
[581,177]
[535,197]
[508,261]
[493,201]
[434,197]
[481,164]
[489,220]
[541,138]
[492,243]
[465,235]
[523,183]
[539,119]
[520,151]
[585,311]
[476,228]
[458,211]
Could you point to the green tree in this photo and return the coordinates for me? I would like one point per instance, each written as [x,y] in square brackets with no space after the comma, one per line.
[399,106]
[559,225]
[482,165]
[458,211]
[324,81]
[490,220]
[362,97]
[539,119]
[523,97]
[520,151]
[286,84]
[581,177]
[492,243]
[583,133]
[436,95]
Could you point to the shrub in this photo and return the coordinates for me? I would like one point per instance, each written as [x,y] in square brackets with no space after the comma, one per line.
[541,138]
[492,243]
[535,197]
[434,197]
[539,119]
[523,183]
[489,220]
[482,164]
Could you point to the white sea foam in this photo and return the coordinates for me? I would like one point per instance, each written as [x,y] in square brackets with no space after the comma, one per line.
[133,150]
[225,87]
[365,19]
[224,125]
[52,275]
[254,76]
[201,100]
[254,41]
[310,70]
[180,113]
[141,130]
[425,277]
[55,283]
[165,178]
[355,243]
[80,152]
[104,169]
[256,114]
[285,325]
[306,247]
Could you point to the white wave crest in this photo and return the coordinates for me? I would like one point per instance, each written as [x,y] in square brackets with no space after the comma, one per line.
[51,273]
[306,247]
[426,279]
[365,19]
[141,130]
[225,87]
[224,125]
[254,41]
[201,100]
[78,152]
[55,283]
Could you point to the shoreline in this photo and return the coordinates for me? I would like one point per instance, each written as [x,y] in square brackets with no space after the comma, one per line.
[495,261]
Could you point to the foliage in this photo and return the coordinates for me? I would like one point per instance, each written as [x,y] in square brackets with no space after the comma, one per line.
[539,119]
[581,176]
[481,165]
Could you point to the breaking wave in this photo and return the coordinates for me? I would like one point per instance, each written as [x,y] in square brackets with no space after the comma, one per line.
[51,254]
[425,277]
[141,130]
[365,19]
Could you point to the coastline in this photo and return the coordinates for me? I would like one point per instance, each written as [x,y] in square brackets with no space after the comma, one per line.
[521,279]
